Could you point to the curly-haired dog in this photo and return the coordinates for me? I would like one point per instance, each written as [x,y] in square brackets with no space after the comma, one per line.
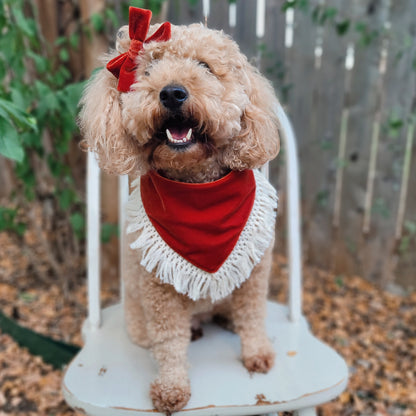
[185,111]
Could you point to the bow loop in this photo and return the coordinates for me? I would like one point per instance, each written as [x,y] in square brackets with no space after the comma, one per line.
[139,22]
[162,34]
[123,66]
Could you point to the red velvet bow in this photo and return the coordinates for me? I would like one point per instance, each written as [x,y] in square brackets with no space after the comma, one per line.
[123,66]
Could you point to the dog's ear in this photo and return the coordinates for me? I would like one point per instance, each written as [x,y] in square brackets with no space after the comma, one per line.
[101,126]
[258,141]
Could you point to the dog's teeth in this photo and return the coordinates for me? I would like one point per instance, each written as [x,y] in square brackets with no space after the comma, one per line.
[169,134]
[188,136]
[183,140]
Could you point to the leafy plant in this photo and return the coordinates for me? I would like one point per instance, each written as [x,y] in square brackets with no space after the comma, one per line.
[108,230]
[37,101]
[38,106]
[9,222]
[39,97]
[410,233]
[394,125]
[322,14]
[13,121]
[296,4]
[381,208]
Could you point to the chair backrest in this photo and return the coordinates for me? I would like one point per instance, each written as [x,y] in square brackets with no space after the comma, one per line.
[293,225]
[294,243]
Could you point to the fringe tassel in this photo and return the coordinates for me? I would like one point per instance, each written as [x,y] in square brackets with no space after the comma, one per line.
[188,279]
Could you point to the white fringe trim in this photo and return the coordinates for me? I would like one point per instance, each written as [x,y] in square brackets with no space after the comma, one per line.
[188,279]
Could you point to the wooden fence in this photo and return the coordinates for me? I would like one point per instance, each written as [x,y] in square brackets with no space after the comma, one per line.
[346,73]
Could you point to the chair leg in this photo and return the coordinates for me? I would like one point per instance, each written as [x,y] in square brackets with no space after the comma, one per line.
[308,411]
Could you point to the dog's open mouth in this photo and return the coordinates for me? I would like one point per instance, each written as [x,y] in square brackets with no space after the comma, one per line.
[179,133]
[179,136]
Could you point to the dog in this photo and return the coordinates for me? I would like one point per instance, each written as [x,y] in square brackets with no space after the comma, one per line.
[181,109]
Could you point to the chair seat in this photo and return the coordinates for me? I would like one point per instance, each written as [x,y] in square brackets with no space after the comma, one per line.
[111,375]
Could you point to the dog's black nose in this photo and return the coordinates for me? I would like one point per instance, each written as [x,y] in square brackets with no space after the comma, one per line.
[173,96]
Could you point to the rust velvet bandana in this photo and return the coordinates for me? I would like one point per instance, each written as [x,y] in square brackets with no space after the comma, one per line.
[124,66]
[201,222]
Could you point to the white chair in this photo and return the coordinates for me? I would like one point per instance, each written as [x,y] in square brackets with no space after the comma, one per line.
[111,376]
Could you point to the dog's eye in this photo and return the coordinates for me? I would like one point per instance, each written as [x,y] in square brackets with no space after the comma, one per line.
[147,73]
[204,65]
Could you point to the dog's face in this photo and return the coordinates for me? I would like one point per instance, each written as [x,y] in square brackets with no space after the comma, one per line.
[197,105]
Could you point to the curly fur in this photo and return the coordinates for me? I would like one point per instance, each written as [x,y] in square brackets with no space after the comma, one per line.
[231,101]
[231,107]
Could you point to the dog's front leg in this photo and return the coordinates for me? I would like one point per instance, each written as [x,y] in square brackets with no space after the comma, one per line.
[168,322]
[248,315]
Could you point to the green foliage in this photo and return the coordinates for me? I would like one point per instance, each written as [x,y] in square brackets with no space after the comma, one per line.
[381,208]
[9,222]
[38,103]
[409,234]
[276,70]
[367,35]
[394,125]
[322,198]
[322,15]
[13,122]
[342,27]
[97,21]
[339,281]
[295,4]
[78,224]
[108,231]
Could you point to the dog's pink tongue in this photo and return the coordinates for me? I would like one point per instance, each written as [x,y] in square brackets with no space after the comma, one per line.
[178,133]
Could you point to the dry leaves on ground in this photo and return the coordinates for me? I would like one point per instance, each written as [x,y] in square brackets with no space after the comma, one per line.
[375,331]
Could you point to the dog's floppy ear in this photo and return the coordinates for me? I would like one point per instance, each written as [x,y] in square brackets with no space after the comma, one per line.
[258,141]
[101,125]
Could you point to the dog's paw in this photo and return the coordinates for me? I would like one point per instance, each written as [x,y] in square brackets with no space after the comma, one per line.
[169,397]
[261,362]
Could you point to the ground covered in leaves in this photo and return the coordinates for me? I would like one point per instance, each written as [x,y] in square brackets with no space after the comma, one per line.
[374,330]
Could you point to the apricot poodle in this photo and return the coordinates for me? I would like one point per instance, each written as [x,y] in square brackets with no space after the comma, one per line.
[184,112]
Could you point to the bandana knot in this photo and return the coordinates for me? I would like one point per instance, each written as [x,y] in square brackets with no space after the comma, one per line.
[123,66]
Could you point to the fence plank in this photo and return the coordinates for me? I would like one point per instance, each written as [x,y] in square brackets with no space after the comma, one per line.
[273,50]
[301,78]
[219,15]
[323,150]
[300,60]
[316,99]
[272,65]
[245,31]
[405,272]
[364,102]
[183,12]
[379,254]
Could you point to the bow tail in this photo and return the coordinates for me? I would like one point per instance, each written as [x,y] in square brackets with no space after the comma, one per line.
[123,68]
[114,66]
